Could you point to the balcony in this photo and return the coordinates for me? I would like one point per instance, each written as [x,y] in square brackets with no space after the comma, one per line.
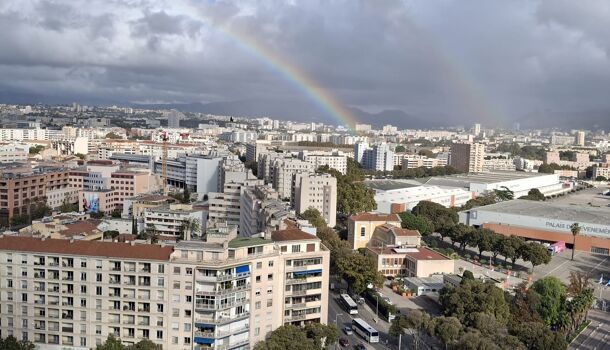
[228,277]
[224,291]
[296,317]
[232,345]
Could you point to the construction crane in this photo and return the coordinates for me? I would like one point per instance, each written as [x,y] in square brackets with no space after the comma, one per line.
[164,138]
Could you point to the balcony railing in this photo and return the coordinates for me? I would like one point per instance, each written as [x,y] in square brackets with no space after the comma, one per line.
[223,291]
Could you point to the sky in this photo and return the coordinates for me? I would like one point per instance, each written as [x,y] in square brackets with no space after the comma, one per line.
[451,61]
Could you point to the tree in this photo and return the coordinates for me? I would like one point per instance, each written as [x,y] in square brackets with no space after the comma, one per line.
[358,270]
[113,136]
[111,343]
[535,253]
[352,196]
[111,234]
[575,229]
[419,223]
[482,239]
[601,179]
[134,226]
[534,195]
[11,343]
[144,344]
[36,149]
[447,329]
[188,226]
[536,336]
[415,321]
[186,196]
[473,296]
[67,207]
[467,275]
[286,337]
[400,148]
[116,214]
[552,293]
[497,244]
[511,248]
[504,193]
[314,217]
[579,283]
[442,218]
[80,156]
[486,199]
[321,334]
[461,234]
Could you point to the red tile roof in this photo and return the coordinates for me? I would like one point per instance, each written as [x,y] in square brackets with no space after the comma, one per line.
[86,248]
[84,227]
[426,254]
[374,217]
[403,232]
[291,234]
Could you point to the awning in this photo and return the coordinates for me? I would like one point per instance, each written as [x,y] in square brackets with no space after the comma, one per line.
[305,273]
[200,340]
[243,268]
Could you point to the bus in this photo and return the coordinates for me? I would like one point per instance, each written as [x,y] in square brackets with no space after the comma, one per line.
[348,304]
[367,332]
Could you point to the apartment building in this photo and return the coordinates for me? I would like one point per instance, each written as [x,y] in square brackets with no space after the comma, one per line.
[261,209]
[14,153]
[379,157]
[168,220]
[334,159]
[468,157]
[601,170]
[225,206]
[283,172]
[221,293]
[412,161]
[318,191]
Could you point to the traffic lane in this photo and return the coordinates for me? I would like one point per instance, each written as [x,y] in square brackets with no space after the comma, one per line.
[334,308]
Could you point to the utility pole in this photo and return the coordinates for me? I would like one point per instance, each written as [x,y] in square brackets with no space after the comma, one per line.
[399,341]
[336,325]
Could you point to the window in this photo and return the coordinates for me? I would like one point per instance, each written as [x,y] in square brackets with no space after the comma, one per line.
[270,263]
[187,340]
[269,290]
[160,281]
[257,331]
[83,289]
[174,340]
[189,271]
[258,292]
[24,297]
[159,334]
[176,270]
[161,269]
[311,247]
[269,302]
[176,284]
[284,249]
[258,278]
[257,305]
[187,327]
[362,231]
[270,277]
[259,265]
[296,248]
[98,290]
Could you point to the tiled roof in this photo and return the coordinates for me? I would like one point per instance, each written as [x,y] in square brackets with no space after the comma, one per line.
[86,248]
[84,227]
[292,234]
[374,217]
[403,232]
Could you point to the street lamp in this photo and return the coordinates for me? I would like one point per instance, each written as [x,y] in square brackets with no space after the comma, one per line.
[337,325]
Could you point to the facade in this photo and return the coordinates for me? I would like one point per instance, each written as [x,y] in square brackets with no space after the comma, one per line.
[334,159]
[412,161]
[378,158]
[360,227]
[283,172]
[602,170]
[468,157]
[410,262]
[545,221]
[169,220]
[225,206]
[14,153]
[261,210]
[580,138]
[317,191]
[222,293]
[401,199]
[580,161]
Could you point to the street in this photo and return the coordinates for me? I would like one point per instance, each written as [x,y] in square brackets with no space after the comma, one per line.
[597,335]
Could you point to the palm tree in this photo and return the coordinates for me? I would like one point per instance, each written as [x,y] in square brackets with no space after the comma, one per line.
[188,226]
[575,228]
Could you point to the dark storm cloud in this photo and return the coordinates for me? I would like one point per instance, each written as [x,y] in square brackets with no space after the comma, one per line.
[456,60]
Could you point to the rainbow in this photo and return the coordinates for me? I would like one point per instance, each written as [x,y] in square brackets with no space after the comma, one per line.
[324,99]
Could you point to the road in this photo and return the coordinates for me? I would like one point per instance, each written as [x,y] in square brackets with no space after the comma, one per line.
[345,319]
[597,335]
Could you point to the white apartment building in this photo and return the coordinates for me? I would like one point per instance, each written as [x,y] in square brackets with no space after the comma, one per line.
[169,220]
[14,152]
[602,170]
[283,172]
[412,161]
[334,159]
[317,191]
[378,158]
[255,205]
[468,157]
[225,206]
[222,293]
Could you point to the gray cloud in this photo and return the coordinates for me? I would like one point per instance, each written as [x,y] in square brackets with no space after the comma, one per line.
[452,60]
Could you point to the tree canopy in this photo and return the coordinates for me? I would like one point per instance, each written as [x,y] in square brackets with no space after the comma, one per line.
[352,196]
[288,337]
[419,223]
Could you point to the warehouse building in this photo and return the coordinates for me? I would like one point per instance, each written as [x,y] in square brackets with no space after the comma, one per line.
[544,221]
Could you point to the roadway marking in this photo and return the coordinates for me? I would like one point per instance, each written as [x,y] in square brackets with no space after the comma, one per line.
[601,262]
[558,266]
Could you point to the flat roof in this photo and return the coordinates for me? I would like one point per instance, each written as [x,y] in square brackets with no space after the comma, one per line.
[464,180]
[566,212]
[240,242]
[386,184]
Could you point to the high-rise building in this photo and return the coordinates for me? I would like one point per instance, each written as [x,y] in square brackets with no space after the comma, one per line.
[580,138]
[359,149]
[318,191]
[468,157]
[476,129]
[74,293]
[334,159]
[283,172]
[378,158]
[173,119]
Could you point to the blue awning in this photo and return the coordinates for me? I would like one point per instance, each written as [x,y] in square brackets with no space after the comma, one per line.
[305,273]
[204,325]
[243,268]
[200,340]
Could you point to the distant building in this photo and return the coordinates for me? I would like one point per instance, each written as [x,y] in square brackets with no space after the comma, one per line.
[476,129]
[363,127]
[378,158]
[580,138]
[334,159]
[601,170]
[173,119]
[318,191]
[468,157]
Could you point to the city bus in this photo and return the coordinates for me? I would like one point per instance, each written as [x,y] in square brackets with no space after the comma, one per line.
[348,304]
[367,332]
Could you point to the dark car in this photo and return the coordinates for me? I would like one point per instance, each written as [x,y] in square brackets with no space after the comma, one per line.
[343,341]
[359,347]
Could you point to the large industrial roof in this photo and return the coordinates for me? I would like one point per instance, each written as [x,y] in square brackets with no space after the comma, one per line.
[386,185]
[464,180]
[566,212]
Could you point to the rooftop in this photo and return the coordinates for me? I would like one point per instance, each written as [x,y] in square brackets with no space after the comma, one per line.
[464,180]
[240,242]
[374,217]
[421,253]
[86,248]
[564,212]
[291,234]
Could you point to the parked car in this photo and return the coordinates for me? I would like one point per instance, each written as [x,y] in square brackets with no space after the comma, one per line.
[359,347]
[344,342]
[348,330]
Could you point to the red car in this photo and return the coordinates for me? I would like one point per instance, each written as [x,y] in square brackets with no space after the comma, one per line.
[344,342]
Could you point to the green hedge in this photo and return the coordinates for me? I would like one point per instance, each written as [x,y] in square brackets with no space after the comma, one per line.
[384,308]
